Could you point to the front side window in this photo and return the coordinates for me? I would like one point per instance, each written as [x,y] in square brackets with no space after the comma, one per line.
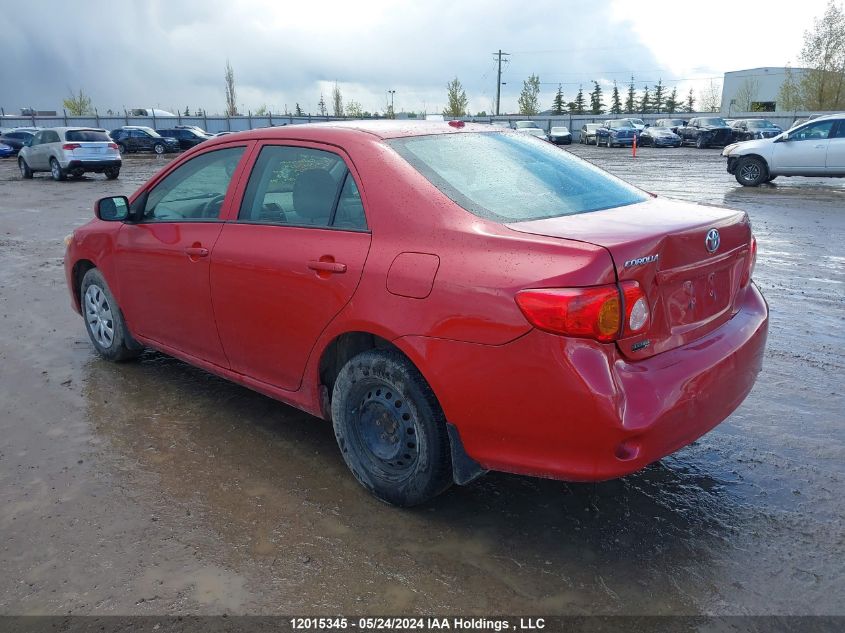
[301,186]
[839,132]
[513,177]
[812,132]
[195,190]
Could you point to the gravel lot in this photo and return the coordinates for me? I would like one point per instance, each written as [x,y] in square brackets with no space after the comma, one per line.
[155,488]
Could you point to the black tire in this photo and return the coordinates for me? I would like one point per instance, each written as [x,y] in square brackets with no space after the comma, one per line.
[159,149]
[56,170]
[121,345]
[26,172]
[751,171]
[701,142]
[390,429]
[122,148]
[770,178]
[112,172]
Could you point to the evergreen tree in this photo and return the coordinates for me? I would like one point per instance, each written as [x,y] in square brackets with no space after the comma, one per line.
[615,101]
[672,102]
[321,105]
[596,105]
[645,102]
[659,96]
[579,101]
[558,103]
[298,110]
[187,111]
[691,101]
[630,100]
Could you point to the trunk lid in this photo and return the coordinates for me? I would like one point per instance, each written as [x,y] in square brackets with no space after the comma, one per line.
[88,150]
[661,244]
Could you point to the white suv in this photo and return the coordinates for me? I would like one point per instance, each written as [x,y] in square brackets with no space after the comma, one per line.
[815,148]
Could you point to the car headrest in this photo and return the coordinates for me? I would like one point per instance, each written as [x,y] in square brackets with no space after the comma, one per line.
[313,194]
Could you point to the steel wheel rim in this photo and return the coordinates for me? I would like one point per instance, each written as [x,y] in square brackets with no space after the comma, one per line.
[750,172]
[98,316]
[385,430]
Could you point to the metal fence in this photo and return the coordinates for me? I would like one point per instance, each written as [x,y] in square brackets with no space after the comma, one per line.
[214,124]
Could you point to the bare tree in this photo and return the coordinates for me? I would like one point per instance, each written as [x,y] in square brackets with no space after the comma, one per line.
[231,99]
[747,94]
[337,100]
[354,109]
[711,97]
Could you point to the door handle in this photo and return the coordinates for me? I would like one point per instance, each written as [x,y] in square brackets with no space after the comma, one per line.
[327,266]
[196,251]
[819,146]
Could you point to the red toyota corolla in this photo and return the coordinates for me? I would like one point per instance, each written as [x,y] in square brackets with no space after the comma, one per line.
[455,299]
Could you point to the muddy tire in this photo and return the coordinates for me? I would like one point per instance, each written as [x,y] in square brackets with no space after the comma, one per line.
[56,170]
[104,321]
[751,171]
[26,172]
[390,429]
[112,172]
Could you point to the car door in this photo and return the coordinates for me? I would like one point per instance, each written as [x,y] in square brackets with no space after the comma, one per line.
[289,261]
[162,260]
[835,163]
[804,151]
[50,145]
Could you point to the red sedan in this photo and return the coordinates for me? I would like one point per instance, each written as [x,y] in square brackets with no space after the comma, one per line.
[455,299]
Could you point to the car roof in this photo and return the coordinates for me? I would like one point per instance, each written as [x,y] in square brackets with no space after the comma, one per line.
[338,130]
[74,129]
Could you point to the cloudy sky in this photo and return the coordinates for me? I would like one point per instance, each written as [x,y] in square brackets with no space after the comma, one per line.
[171,54]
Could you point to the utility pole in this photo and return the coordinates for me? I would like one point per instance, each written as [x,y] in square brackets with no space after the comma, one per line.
[499,56]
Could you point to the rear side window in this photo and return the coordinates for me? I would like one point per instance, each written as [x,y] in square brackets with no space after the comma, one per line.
[513,177]
[300,186]
[87,136]
[195,190]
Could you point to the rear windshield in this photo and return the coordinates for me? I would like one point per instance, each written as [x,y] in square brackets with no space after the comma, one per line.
[513,177]
[87,135]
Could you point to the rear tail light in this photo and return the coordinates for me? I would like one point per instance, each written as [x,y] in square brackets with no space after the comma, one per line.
[752,260]
[71,146]
[596,312]
[113,146]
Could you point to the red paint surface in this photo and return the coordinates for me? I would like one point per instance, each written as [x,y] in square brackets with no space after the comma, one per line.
[255,309]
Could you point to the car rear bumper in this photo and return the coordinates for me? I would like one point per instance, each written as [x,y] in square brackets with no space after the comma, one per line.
[574,409]
[92,165]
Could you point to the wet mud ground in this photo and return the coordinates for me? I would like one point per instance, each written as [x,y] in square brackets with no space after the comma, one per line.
[155,488]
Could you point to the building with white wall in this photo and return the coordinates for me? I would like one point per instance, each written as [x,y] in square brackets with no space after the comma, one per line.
[757,87]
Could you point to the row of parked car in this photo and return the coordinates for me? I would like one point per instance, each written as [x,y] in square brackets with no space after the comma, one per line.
[699,131]
[73,151]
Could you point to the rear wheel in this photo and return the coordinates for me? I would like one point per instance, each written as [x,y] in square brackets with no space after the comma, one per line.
[26,172]
[104,320]
[56,170]
[751,171]
[112,172]
[158,148]
[121,148]
[390,429]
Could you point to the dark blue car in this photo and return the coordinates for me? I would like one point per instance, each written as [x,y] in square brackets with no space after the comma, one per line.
[616,132]
[6,151]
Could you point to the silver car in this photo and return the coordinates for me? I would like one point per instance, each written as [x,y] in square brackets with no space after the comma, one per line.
[71,151]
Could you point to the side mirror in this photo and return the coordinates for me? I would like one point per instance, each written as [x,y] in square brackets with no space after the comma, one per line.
[114,209]
[782,138]
[28,142]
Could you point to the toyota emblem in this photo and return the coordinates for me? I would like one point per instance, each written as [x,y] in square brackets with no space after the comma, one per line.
[712,241]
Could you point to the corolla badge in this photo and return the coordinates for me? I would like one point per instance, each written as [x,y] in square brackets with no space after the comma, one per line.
[712,241]
[639,261]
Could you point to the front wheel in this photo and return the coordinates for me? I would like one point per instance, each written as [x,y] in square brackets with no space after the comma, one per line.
[112,172]
[701,142]
[158,148]
[390,429]
[104,320]
[751,171]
